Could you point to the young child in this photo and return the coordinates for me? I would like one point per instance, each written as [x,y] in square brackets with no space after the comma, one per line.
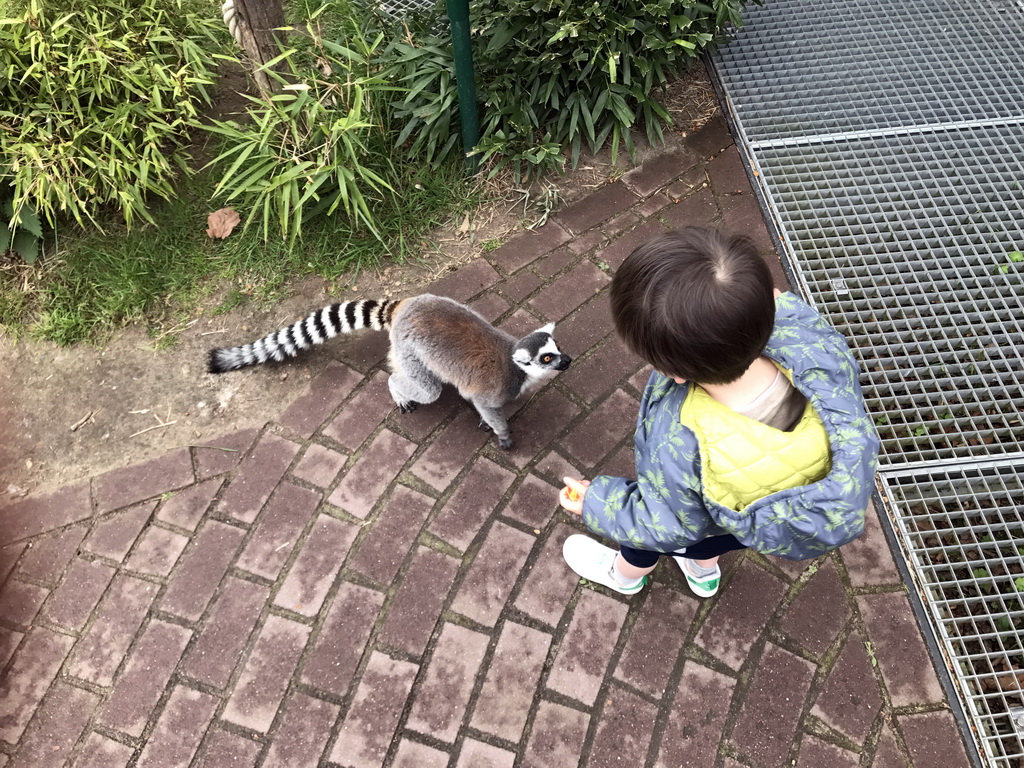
[752,430]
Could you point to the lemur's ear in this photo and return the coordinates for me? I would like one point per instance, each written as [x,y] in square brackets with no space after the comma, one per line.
[548,329]
[521,356]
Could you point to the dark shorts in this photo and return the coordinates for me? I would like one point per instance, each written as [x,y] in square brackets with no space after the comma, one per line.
[713,546]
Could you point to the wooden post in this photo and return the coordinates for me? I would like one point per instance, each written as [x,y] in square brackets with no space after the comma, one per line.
[253,23]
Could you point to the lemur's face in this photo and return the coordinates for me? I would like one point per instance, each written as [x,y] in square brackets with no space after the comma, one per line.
[538,354]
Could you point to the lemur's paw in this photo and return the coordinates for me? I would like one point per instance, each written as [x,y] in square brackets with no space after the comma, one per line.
[505,443]
[484,425]
[408,407]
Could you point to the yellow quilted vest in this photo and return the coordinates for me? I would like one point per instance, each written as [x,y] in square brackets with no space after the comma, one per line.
[743,460]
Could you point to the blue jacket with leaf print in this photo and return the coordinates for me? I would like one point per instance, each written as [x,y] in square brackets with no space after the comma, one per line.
[666,507]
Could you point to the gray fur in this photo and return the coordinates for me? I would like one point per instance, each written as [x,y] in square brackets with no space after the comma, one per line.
[434,341]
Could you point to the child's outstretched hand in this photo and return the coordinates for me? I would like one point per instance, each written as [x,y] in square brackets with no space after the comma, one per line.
[571,497]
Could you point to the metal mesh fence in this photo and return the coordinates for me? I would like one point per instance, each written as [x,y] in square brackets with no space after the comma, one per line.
[962,529]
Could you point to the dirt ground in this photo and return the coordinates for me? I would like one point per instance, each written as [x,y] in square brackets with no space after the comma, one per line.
[72,412]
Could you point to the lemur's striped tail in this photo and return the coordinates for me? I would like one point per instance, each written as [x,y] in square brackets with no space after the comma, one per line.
[326,323]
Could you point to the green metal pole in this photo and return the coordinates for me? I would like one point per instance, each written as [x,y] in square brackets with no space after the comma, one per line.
[458,17]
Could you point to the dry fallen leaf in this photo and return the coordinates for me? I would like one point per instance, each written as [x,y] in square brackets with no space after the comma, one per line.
[220,223]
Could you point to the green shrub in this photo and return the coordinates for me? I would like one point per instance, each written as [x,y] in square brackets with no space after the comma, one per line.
[555,75]
[317,146]
[95,99]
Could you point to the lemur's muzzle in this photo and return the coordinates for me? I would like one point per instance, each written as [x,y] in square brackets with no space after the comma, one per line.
[563,362]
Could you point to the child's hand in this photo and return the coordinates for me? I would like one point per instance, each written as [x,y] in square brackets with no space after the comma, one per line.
[571,497]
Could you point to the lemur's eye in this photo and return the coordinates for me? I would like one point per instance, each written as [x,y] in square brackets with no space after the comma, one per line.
[546,359]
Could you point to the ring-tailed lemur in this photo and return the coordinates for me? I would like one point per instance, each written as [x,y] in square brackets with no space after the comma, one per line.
[434,341]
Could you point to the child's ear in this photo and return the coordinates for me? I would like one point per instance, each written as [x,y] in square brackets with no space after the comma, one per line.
[549,329]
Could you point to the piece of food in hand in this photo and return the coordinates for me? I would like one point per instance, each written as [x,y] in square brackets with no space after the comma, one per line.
[571,493]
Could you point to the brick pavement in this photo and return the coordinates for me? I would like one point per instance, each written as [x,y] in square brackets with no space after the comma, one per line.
[348,586]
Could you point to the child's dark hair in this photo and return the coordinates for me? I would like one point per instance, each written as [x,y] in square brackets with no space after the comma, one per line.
[695,303]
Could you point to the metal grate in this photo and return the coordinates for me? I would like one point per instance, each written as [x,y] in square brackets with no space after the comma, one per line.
[962,530]
[911,246]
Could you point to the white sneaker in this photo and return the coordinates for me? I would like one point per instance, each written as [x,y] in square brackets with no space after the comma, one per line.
[594,562]
[702,586]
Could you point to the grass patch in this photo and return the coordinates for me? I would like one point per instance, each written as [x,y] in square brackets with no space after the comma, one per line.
[94,282]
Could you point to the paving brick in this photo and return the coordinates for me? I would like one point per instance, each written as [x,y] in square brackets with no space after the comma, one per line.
[120,613]
[511,683]
[179,730]
[624,728]
[114,534]
[659,171]
[413,755]
[492,575]
[585,327]
[367,479]
[553,466]
[689,181]
[533,503]
[363,350]
[121,487]
[598,374]
[609,423]
[711,138]
[339,647]
[157,552]
[740,614]
[187,507]
[527,247]
[520,323]
[101,752]
[694,741]
[820,610]
[698,209]
[142,683]
[557,736]
[899,648]
[550,582]
[539,423]
[451,451]
[264,679]
[595,238]
[302,734]
[815,753]
[465,282]
[33,668]
[621,463]
[46,557]
[314,570]
[277,532]
[639,380]
[933,740]
[596,207]
[868,559]
[849,699]
[419,600]
[420,423]
[652,205]
[491,306]
[517,288]
[440,702]
[56,727]
[621,223]
[225,633]
[587,647]
[39,514]
[9,640]
[325,393]
[370,724]
[9,556]
[319,466]
[226,750]
[364,413]
[618,249]
[741,215]
[383,550]
[794,569]
[727,173]
[20,602]
[473,503]
[476,754]
[222,454]
[767,721]
[256,480]
[201,570]
[655,641]
[570,292]
[555,262]
[887,753]
[73,601]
